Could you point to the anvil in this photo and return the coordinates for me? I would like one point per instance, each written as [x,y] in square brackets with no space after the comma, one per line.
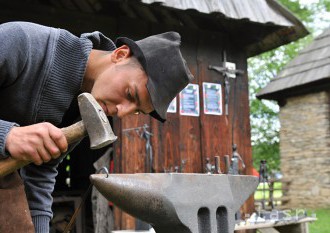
[179,202]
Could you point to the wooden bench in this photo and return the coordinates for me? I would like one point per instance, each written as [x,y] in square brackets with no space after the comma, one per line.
[292,226]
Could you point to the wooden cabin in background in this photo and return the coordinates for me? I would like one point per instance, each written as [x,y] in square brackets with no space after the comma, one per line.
[213,32]
[302,90]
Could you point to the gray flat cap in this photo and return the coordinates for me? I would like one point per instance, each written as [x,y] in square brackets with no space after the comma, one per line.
[167,70]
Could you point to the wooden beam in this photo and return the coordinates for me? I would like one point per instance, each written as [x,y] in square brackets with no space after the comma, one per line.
[68,4]
[187,20]
[56,3]
[84,6]
[56,17]
[167,17]
[145,13]
[96,4]
[128,10]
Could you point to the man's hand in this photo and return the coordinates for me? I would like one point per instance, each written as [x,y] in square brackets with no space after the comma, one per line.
[37,143]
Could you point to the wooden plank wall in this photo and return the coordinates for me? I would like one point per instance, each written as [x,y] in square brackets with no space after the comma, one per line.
[191,139]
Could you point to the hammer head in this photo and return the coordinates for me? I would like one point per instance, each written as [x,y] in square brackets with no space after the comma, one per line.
[95,121]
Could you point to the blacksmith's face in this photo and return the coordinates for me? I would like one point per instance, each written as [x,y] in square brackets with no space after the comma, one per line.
[121,89]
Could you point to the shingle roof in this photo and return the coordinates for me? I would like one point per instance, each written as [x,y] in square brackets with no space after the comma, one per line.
[274,24]
[311,65]
[260,11]
[256,26]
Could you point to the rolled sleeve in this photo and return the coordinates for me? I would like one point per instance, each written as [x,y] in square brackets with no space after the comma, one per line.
[5,127]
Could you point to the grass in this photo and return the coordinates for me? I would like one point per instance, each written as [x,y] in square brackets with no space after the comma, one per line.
[260,194]
[322,225]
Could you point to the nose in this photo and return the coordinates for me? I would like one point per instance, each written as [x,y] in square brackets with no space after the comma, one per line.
[125,109]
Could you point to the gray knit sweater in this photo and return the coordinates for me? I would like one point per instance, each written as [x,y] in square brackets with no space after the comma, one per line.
[41,71]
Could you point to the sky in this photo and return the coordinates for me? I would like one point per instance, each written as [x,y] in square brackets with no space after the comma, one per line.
[322,19]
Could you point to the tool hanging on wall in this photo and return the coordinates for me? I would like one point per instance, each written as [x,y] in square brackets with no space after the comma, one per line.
[137,130]
[149,157]
[143,133]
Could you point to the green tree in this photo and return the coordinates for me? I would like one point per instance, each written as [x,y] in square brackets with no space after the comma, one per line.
[264,114]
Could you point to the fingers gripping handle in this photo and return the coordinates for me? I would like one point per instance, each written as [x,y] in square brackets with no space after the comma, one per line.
[73,133]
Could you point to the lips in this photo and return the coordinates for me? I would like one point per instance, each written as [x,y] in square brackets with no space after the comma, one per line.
[105,109]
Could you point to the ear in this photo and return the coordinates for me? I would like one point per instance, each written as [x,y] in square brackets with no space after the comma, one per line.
[121,53]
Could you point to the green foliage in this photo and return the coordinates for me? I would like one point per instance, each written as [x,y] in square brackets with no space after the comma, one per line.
[301,11]
[269,152]
[260,194]
[326,4]
[263,68]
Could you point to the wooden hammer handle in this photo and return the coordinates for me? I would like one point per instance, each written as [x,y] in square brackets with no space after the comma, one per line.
[73,133]
[10,165]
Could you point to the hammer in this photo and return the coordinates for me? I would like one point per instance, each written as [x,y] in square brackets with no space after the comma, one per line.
[94,123]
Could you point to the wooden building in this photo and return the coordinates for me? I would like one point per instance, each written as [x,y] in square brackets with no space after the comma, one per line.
[212,32]
[302,90]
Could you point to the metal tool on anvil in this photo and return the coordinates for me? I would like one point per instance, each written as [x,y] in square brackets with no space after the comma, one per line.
[94,123]
[179,202]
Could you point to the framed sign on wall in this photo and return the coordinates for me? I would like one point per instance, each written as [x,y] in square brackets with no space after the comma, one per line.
[172,107]
[189,100]
[212,98]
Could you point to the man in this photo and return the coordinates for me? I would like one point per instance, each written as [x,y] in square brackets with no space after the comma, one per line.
[42,70]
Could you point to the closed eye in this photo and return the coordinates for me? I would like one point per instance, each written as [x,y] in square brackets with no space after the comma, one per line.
[129,95]
[132,98]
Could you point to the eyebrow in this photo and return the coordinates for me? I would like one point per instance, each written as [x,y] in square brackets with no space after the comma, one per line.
[138,98]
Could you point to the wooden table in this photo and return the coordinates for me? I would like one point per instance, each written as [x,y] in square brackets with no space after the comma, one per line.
[289,226]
